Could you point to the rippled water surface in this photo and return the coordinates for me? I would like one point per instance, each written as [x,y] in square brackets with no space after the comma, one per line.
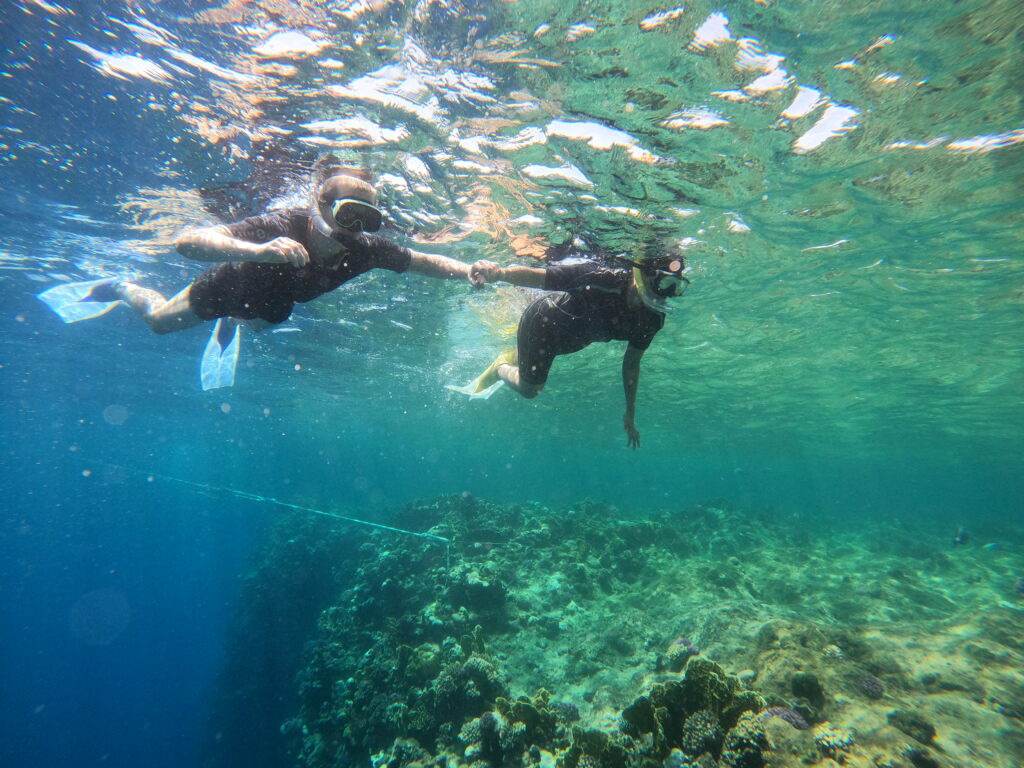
[846,175]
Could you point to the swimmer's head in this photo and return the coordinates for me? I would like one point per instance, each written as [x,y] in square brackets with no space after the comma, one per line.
[659,278]
[343,199]
[348,202]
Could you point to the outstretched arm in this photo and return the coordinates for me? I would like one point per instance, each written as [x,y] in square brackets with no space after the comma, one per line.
[630,380]
[217,244]
[525,276]
[434,265]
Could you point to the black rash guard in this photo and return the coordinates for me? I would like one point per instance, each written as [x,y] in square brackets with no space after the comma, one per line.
[248,290]
[590,306]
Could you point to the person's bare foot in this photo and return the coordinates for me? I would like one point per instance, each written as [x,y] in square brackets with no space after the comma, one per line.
[105,291]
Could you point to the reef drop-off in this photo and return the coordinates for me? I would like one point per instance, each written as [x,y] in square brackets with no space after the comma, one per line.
[585,637]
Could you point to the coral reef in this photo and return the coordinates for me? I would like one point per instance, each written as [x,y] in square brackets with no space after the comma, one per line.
[832,740]
[568,639]
[702,733]
[291,581]
[787,715]
[871,687]
[679,653]
[745,744]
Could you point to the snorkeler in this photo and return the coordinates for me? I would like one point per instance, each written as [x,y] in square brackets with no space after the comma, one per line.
[593,301]
[270,263]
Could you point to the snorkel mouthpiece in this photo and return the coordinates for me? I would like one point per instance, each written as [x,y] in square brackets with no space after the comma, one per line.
[320,224]
[649,298]
[660,279]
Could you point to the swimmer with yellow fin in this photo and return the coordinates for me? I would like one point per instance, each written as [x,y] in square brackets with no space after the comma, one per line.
[616,299]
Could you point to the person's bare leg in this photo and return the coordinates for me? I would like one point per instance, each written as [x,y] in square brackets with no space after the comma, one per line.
[489,377]
[160,314]
[510,375]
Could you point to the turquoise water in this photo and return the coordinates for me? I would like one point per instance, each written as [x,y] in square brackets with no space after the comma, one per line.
[845,177]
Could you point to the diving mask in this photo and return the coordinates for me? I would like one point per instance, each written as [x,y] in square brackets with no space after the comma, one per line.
[344,204]
[356,215]
[668,283]
[656,284]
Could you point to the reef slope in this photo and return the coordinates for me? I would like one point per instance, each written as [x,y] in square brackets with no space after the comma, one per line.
[707,637]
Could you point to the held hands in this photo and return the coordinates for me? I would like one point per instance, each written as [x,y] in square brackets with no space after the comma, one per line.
[632,433]
[284,250]
[483,271]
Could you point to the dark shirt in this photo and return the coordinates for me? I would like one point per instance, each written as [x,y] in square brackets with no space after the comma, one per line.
[593,306]
[362,252]
[269,291]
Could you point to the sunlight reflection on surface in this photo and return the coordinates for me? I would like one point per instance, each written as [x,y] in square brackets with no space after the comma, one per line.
[775,135]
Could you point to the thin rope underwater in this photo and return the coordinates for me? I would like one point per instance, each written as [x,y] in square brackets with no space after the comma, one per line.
[277,502]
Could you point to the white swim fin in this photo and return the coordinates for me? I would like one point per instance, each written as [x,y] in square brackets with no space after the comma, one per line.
[221,354]
[75,301]
[474,393]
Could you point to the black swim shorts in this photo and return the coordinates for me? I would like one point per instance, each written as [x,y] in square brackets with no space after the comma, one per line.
[545,331]
[246,290]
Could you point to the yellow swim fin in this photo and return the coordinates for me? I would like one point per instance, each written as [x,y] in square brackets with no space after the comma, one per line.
[488,382]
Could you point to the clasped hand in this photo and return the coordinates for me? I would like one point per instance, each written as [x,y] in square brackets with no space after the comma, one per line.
[484,271]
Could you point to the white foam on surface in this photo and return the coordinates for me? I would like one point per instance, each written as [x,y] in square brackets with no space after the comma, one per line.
[125,66]
[568,173]
[655,20]
[712,33]
[700,118]
[805,102]
[834,122]
[600,137]
[290,44]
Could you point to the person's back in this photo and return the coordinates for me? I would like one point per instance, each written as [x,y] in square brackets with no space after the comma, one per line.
[588,301]
[593,304]
[269,291]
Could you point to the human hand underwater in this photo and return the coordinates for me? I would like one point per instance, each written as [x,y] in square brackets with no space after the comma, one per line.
[483,271]
[632,433]
[284,250]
